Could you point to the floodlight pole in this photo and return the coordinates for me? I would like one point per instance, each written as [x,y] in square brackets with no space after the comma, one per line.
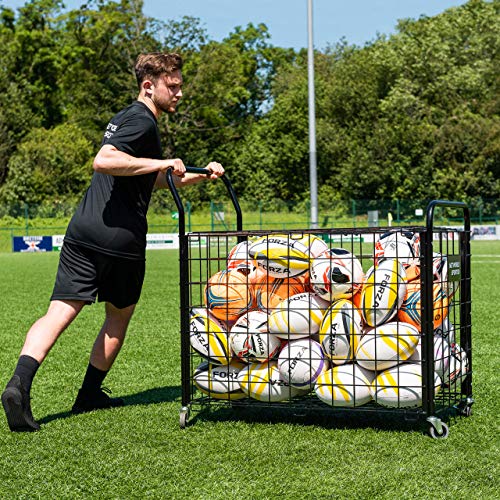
[312,118]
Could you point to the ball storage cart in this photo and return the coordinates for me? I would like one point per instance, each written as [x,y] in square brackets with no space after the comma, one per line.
[363,321]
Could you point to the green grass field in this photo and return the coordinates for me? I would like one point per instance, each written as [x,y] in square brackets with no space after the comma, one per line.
[139,451]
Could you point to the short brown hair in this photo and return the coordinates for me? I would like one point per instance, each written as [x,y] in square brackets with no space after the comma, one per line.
[155,64]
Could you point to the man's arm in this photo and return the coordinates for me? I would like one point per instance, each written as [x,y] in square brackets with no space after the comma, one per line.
[216,168]
[110,160]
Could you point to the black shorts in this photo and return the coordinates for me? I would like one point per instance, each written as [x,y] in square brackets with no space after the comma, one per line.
[84,274]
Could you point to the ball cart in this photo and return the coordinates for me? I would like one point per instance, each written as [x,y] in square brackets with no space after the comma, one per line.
[331,322]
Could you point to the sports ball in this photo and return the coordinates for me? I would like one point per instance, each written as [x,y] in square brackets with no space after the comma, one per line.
[401,245]
[441,355]
[340,331]
[315,245]
[383,292]
[298,316]
[458,366]
[401,386]
[264,382]
[208,336]
[446,330]
[219,381]
[301,362]
[411,307]
[280,256]
[227,295]
[336,274]
[250,339]
[387,345]
[346,385]
[238,258]
[267,292]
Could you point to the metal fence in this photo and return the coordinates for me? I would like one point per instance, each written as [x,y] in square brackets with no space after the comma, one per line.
[52,218]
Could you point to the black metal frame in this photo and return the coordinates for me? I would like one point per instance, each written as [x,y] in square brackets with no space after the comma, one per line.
[428,410]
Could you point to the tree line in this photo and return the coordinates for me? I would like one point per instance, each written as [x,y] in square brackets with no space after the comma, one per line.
[411,115]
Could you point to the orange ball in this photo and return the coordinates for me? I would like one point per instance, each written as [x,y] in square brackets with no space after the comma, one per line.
[268,291]
[227,295]
[410,311]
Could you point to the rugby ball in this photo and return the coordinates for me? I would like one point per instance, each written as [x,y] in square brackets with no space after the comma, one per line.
[250,339]
[458,366]
[410,310]
[227,295]
[239,259]
[219,381]
[267,292]
[301,362]
[336,274]
[315,245]
[264,382]
[387,345]
[401,245]
[340,331]
[208,336]
[401,386]
[446,330]
[280,256]
[383,292]
[298,316]
[345,386]
[441,355]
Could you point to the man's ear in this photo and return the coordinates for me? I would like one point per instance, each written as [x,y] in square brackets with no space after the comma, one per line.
[148,85]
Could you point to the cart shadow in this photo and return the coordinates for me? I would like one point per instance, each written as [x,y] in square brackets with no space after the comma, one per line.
[165,394]
[341,420]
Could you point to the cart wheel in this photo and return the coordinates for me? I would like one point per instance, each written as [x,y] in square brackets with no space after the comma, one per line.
[466,411]
[436,435]
[184,417]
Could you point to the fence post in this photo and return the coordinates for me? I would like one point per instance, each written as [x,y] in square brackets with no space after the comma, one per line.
[260,215]
[397,212]
[353,208]
[26,219]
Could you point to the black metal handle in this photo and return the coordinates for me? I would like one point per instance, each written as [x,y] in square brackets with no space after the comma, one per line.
[180,205]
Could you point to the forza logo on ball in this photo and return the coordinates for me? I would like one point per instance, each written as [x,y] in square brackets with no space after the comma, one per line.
[381,290]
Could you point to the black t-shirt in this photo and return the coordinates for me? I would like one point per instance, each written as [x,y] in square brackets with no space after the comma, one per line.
[111,218]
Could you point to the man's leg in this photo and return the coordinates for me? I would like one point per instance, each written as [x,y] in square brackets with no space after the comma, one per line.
[106,347]
[39,340]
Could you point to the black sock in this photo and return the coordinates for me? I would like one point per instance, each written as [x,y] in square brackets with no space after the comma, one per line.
[26,369]
[93,378]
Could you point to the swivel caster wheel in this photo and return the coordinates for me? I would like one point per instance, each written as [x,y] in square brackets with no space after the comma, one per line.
[437,429]
[184,417]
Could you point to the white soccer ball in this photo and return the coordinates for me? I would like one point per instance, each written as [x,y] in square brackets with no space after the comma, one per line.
[250,339]
[336,274]
[301,362]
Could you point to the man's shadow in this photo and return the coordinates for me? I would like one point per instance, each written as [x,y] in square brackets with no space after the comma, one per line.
[166,394]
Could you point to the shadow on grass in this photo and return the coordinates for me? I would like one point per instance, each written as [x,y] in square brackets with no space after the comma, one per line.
[337,418]
[151,396]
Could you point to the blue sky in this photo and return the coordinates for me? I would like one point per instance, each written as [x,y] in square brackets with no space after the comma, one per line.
[358,21]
